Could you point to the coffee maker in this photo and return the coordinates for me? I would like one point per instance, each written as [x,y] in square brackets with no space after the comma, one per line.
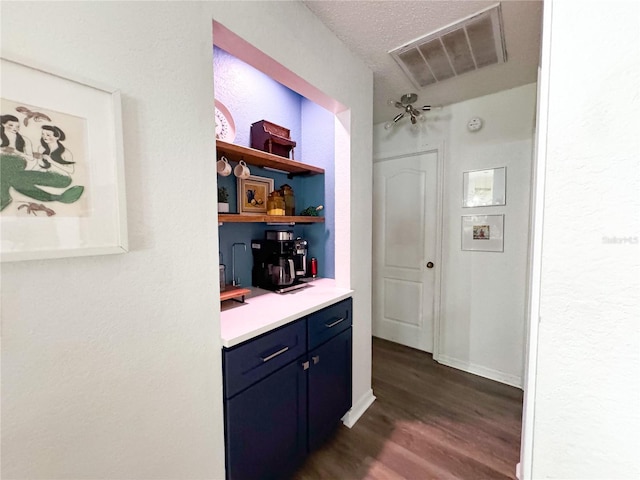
[274,262]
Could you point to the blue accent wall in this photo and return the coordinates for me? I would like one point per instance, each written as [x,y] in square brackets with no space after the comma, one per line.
[250,96]
[318,135]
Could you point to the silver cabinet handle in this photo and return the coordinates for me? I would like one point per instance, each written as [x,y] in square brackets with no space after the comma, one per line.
[316,359]
[273,355]
[305,365]
[329,325]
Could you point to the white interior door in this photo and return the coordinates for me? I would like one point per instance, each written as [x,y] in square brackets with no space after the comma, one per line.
[404,248]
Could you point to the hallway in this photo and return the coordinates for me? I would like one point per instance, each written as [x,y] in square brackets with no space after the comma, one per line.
[429,421]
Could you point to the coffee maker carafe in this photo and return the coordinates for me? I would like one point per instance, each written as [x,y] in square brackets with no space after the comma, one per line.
[282,271]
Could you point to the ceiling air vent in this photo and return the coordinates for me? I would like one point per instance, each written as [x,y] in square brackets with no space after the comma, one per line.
[472,43]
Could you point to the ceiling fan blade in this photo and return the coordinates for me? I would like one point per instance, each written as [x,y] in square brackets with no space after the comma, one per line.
[398,117]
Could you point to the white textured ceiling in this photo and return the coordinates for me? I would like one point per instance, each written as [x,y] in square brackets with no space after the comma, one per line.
[370,29]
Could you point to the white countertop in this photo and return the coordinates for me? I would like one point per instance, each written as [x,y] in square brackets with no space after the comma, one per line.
[263,312]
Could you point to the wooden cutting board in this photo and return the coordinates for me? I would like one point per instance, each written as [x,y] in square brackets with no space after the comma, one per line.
[233,292]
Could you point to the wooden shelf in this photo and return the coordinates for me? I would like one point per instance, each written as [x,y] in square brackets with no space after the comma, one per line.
[237,218]
[259,158]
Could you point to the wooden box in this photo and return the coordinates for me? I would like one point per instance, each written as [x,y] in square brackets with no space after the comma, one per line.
[272,138]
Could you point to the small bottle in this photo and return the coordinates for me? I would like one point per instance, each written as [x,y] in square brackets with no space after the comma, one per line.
[314,267]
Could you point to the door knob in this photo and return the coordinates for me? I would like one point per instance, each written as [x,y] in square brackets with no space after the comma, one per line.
[430,265]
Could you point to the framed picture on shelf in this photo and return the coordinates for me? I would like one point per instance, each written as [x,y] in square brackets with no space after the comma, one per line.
[62,167]
[484,188]
[253,193]
[483,233]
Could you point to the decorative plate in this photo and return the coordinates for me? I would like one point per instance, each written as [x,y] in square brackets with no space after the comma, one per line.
[225,127]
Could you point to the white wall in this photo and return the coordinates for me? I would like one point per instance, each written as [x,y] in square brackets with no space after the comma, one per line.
[586,422]
[112,370]
[111,365]
[483,294]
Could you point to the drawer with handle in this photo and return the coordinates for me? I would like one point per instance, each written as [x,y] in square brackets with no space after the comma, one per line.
[329,322]
[253,360]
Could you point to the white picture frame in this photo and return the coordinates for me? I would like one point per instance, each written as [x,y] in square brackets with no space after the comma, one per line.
[483,233]
[86,213]
[484,188]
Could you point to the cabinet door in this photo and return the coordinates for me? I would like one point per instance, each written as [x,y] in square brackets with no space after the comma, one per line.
[266,426]
[329,387]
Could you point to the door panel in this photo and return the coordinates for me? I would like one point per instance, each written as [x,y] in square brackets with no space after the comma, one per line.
[403,301]
[405,191]
[404,240]
[329,387]
[254,448]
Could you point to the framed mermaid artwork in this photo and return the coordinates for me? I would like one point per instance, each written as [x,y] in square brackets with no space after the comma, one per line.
[61,166]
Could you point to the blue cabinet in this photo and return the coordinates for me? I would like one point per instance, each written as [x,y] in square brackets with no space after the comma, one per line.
[285,393]
[328,322]
[251,361]
[266,426]
[329,338]
[329,387]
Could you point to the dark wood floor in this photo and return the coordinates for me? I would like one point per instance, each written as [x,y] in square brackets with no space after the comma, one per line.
[429,421]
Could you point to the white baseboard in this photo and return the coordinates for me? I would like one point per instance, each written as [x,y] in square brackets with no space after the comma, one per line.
[485,372]
[353,415]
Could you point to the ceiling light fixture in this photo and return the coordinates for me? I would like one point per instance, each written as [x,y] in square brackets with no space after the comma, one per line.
[406,104]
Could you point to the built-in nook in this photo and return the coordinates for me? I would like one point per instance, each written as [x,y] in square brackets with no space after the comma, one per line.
[255,92]
[288,349]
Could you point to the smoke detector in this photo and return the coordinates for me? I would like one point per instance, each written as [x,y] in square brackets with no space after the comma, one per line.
[470,44]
